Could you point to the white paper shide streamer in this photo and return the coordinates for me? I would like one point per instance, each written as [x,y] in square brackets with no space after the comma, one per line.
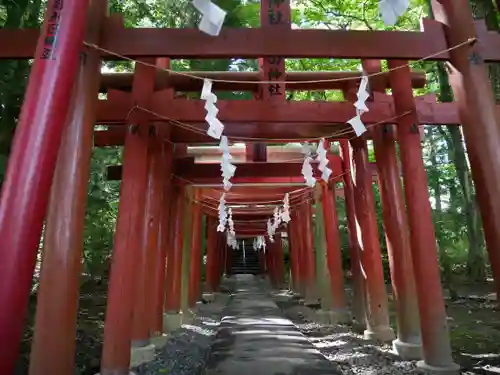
[226,167]
[222,214]
[231,234]
[276,219]
[391,10]
[360,105]
[307,172]
[285,215]
[270,230]
[230,222]
[231,241]
[215,127]
[323,160]
[260,243]
[212,17]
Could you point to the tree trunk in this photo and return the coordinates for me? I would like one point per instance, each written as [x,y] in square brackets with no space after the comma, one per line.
[475,262]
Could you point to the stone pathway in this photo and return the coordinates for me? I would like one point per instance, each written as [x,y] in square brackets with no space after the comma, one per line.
[254,338]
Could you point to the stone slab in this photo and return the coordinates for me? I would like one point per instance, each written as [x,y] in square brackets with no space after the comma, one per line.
[255,339]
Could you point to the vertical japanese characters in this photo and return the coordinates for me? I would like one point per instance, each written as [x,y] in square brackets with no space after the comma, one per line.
[273,67]
[50,41]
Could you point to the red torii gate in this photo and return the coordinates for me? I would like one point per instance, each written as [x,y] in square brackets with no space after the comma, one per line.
[453,37]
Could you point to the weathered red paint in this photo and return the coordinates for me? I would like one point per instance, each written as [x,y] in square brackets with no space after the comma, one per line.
[165,219]
[228,260]
[298,222]
[293,254]
[211,265]
[334,255]
[330,80]
[397,235]
[189,43]
[145,292]
[308,250]
[262,262]
[396,231]
[270,266]
[221,249]
[53,346]
[434,328]
[299,119]
[126,254]
[377,314]
[163,242]
[238,120]
[174,257]
[195,260]
[25,195]
[279,261]
[289,172]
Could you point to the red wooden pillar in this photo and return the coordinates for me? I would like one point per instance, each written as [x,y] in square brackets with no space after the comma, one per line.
[171,239]
[408,345]
[293,255]
[220,237]
[301,265]
[222,258]
[262,261]
[126,253]
[26,188]
[377,314]
[478,115]
[222,261]
[221,246]
[358,280]
[174,257]
[199,284]
[301,261]
[211,266]
[273,15]
[195,260]
[279,261]
[165,221]
[163,244]
[270,264]
[309,257]
[228,260]
[334,254]
[144,300]
[434,328]
[53,347]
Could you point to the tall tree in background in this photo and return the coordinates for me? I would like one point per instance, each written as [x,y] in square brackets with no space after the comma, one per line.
[476,267]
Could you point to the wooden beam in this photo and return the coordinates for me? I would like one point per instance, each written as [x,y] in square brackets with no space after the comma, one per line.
[119,104]
[318,119]
[245,172]
[123,81]
[190,43]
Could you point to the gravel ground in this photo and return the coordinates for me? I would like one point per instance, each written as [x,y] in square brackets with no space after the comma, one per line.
[187,349]
[352,353]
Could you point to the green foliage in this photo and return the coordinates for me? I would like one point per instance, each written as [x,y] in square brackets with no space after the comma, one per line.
[102,207]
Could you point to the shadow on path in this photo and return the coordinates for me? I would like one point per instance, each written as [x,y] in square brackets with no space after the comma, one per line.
[254,338]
